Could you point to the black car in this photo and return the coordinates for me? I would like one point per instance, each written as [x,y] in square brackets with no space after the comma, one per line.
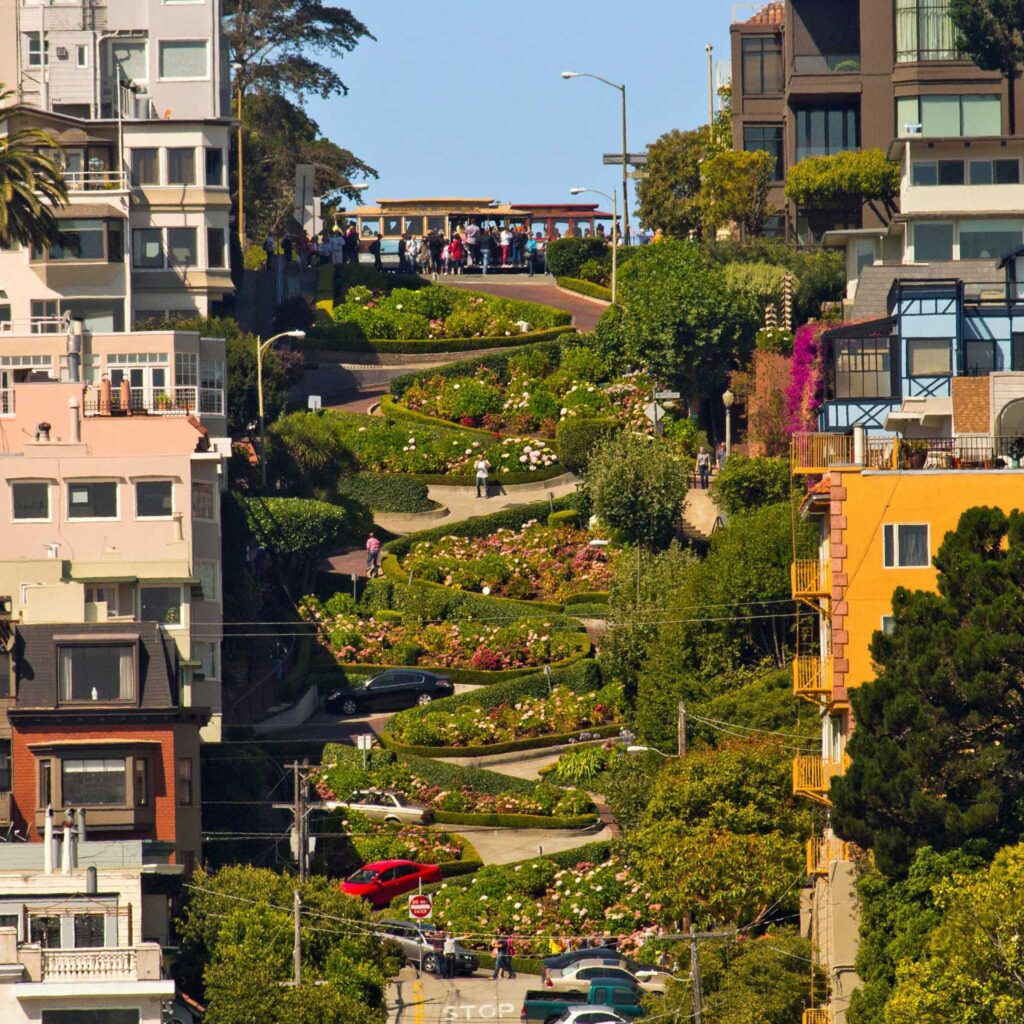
[388,691]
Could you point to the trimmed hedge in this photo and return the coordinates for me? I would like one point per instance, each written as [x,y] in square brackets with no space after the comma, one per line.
[577,438]
[567,255]
[387,492]
[588,288]
[527,743]
[514,820]
[348,274]
[325,288]
[348,337]
[564,517]
[587,597]
[390,409]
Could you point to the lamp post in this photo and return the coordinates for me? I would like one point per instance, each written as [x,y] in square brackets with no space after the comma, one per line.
[615,228]
[261,347]
[727,399]
[237,68]
[625,155]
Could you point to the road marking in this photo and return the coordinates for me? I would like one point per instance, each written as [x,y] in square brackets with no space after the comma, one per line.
[419,1014]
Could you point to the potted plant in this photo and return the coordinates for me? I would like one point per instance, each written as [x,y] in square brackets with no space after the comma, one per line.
[914,453]
[1015,449]
[163,401]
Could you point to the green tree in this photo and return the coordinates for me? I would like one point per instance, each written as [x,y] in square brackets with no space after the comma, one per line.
[735,190]
[938,753]
[845,182]
[308,452]
[678,317]
[746,484]
[31,187]
[972,967]
[637,486]
[669,194]
[991,33]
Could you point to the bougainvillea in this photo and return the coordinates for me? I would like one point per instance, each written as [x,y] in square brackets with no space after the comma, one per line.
[807,385]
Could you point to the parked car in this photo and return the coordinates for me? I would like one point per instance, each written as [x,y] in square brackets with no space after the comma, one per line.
[583,972]
[547,1006]
[555,966]
[383,805]
[379,883]
[390,690]
[590,1015]
[413,939]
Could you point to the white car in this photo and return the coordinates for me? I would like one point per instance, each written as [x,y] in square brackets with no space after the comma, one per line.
[590,1015]
[383,805]
[577,977]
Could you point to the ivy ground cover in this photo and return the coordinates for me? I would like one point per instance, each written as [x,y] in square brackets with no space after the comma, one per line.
[358,638]
[535,561]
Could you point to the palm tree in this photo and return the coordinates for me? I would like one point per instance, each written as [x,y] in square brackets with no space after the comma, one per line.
[31,187]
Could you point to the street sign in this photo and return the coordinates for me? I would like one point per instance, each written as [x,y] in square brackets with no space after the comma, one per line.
[632,159]
[364,741]
[668,396]
[314,402]
[420,907]
[654,412]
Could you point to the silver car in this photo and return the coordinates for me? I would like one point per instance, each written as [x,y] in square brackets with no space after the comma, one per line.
[383,805]
[590,1015]
[413,939]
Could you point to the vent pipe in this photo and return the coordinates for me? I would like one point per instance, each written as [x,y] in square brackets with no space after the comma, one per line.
[48,843]
[65,850]
[42,431]
[80,819]
[75,351]
[91,886]
[75,419]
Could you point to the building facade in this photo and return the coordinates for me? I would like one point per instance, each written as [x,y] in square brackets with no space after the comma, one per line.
[814,78]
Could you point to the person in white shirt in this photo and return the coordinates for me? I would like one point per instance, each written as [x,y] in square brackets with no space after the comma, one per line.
[482,467]
[506,242]
[449,956]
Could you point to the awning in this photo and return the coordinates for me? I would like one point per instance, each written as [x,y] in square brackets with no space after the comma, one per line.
[75,211]
[924,412]
[865,329]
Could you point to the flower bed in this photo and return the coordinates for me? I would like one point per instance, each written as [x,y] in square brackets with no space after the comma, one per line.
[537,561]
[561,712]
[356,638]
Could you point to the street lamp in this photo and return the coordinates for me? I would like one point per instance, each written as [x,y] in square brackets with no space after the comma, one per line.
[261,347]
[727,399]
[237,68]
[636,749]
[615,227]
[625,156]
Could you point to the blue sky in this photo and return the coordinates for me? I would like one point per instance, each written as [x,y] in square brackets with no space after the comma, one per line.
[463,97]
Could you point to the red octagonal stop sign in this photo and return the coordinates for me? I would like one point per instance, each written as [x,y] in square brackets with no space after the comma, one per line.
[420,906]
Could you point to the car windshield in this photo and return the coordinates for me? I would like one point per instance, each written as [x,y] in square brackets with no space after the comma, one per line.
[362,876]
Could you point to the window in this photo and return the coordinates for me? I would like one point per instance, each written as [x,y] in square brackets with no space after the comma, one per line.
[205,652]
[115,242]
[208,573]
[979,358]
[888,624]
[79,240]
[1017,351]
[823,131]
[38,51]
[924,172]
[214,167]
[145,167]
[995,172]
[5,766]
[90,1017]
[989,239]
[181,59]
[924,31]
[96,672]
[186,369]
[933,240]
[129,60]
[906,547]
[31,501]
[97,781]
[160,604]
[103,595]
[89,931]
[860,368]
[185,781]
[211,374]
[951,172]
[181,166]
[92,500]
[141,782]
[929,357]
[762,65]
[45,782]
[181,247]
[44,931]
[153,499]
[950,116]
[147,247]
[203,501]
[81,56]
[766,138]
[215,247]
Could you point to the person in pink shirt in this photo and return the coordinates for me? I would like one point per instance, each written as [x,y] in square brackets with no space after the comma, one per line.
[372,555]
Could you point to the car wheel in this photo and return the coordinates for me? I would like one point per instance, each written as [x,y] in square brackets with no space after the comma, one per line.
[392,820]
[424,699]
[349,707]
[430,964]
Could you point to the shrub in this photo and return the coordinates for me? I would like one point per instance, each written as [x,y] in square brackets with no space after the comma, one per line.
[566,517]
[592,271]
[567,255]
[746,484]
[296,526]
[577,437]
[386,492]
[593,291]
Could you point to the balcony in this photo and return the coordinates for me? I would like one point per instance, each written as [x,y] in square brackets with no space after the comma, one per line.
[812,680]
[823,852]
[182,401]
[812,777]
[810,579]
[826,63]
[87,967]
[818,453]
[819,1016]
[95,181]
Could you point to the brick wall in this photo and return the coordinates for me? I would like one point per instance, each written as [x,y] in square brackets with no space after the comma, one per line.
[971,412]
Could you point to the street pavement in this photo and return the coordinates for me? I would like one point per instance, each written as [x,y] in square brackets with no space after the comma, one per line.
[428,1000]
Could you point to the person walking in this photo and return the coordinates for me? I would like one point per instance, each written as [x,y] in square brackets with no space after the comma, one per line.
[449,956]
[372,555]
[483,468]
[473,242]
[436,246]
[720,455]
[437,940]
[269,247]
[455,254]
[286,248]
[502,959]
[703,466]
[531,254]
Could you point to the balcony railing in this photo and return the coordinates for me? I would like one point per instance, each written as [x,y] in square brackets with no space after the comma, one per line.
[88,964]
[95,181]
[817,453]
[818,1016]
[182,401]
[823,852]
[6,401]
[812,777]
[812,680]
[826,63]
[810,579]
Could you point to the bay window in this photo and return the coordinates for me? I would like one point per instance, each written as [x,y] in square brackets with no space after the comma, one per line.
[93,781]
[860,368]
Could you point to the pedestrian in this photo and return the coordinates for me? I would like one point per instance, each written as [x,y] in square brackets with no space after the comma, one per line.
[269,247]
[286,248]
[350,245]
[455,254]
[531,254]
[449,956]
[424,255]
[337,246]
[473,242]
[401,254]
[436,246]
[518,238]
[378,263]
[720,455]
[703,466]
[437,944]
[412,254]
[505,240]
[510,951]
[483,468]
[372,555]
[502,959]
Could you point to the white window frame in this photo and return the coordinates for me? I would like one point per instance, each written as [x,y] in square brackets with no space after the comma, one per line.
[213,596]
[49,501]
[891,619]
[81,55]
[183,78]
[157,585]
[68,484]
[154,480]
[41,51]
[895,527]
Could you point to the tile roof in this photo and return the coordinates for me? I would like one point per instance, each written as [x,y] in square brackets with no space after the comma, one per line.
[771,14]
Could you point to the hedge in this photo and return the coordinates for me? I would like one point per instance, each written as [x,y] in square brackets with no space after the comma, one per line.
[588,288]
[514,820]
[563,517]
[567,255]
[587,597]
[349,337]
[390,409]
[387,492]
[348,274]
[576,438]
[527,743]
[325,288]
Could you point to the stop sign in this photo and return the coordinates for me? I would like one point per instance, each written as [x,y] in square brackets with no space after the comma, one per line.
[420,906]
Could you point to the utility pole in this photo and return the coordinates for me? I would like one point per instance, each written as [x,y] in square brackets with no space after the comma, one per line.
[300,825]
[681,730]
[709,49]
[297,941]
[698,1007]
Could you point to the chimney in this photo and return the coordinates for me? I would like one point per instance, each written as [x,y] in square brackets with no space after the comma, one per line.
[91,886]
[80,817]
[75,351]
[75,411]
[105,395]
[48,843]
[65,850]
[125,395]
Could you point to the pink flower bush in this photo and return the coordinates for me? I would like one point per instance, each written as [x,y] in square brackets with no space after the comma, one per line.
[807,386]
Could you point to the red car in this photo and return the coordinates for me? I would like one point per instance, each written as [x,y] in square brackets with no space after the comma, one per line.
[383,880]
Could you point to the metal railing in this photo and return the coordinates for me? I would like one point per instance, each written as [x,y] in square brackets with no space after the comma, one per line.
[816,453]
[826,63]
[810,578]
[88,964]
[6,401]
[812,776]
[143,401]
[822,852]
[812,679]
[37,325]
[818,1016]
[95,181]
